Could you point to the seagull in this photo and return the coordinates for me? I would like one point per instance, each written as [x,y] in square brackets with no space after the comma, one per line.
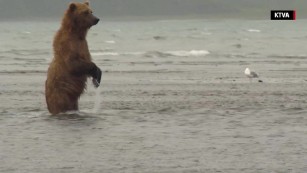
[250,74]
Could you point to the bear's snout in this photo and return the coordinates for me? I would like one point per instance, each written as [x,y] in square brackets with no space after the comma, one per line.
[96,20]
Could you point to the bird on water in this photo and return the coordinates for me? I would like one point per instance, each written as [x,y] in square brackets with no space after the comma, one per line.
[250,74]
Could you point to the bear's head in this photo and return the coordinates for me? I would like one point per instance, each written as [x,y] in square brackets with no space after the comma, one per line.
[81,15]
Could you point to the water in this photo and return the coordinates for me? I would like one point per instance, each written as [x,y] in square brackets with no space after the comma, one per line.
[98,99]
[174,98]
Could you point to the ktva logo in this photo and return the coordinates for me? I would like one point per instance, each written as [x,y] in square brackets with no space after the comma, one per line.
[283,15]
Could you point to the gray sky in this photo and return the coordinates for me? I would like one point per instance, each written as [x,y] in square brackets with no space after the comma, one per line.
[122,9]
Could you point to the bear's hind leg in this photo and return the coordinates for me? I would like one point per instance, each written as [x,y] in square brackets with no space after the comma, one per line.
[61,103]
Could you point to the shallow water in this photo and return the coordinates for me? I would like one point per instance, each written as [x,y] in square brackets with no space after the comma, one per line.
[165,104]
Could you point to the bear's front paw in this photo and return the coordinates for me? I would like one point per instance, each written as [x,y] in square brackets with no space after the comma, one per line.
[97,77]
[95,82]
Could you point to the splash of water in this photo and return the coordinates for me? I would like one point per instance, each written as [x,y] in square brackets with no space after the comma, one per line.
[98,100]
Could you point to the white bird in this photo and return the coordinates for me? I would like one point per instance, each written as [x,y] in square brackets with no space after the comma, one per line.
[250,74]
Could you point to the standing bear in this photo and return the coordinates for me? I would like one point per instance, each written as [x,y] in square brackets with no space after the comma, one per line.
[72,64]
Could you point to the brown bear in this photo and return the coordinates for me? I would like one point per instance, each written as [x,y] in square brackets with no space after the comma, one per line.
[72,64]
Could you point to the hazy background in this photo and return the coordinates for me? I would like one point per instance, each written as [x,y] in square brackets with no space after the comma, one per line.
[156,9]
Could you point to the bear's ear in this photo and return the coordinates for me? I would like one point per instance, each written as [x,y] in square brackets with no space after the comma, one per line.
[72,7]
[87,3]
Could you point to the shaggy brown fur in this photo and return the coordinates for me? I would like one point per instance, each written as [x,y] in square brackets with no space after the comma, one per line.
[71,65]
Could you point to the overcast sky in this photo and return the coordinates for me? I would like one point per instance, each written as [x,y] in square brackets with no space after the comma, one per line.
[122,9]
